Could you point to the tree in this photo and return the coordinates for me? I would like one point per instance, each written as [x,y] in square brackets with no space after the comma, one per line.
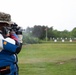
[73,33]
[65,34]
[39,31]
[50,33]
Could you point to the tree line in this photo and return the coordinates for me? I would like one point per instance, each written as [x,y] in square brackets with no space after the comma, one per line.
[41,32]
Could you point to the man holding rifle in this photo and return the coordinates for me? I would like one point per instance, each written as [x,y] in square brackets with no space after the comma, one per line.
[10,45]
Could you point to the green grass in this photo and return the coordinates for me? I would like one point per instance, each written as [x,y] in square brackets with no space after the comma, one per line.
[48,59]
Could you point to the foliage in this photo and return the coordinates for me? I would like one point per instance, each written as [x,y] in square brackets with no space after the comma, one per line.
[29,39]
[74,32]
[39,32]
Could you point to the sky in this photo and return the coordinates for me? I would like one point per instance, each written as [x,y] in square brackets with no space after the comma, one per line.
[61,14]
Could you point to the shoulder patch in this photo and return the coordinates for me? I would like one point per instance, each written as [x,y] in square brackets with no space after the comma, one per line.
[4,42]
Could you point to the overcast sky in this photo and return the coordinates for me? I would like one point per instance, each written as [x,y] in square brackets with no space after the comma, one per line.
[61,14]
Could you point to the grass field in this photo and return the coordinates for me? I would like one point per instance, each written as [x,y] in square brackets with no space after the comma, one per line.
[48,59]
